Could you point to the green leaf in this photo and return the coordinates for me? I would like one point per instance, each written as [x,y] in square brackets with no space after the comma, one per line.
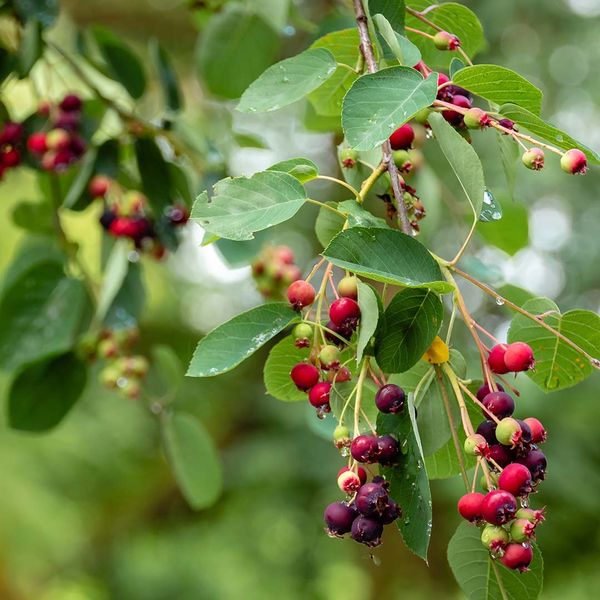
[248,140]
[229,344]
[114,275]
[378,103]
[45,391]
[509,154]
[432,419]
[328,224]
[409,380]
[243,205]
[234,49]
[288,81]
[165,376]
[500,85]
[327,99]
[360,217]
[154,173]
[193,459]
[302,169]
[123,65]
[282,358]
[396,46]
[491,210]
[455,66]
[44,12]
[127,306]
[167,75]
[40,314]
[557,365]
[462,158]
[369,317]
[386,255]
[479,576]
[408,326]
[33,216]
[449,16]
[30,48]
[391,10]
[409,485]
[544,130]
[512,233]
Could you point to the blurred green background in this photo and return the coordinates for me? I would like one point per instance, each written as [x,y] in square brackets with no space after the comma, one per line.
[90,511]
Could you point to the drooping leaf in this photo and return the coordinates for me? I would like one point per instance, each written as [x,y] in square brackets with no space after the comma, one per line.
[557,365]
[408,326]
[166,75]
[500,85]
[386,255]
[370,306]
[233,38]
[243,205]
[114,275]
[480,578]
[462,158]
[302,169]
[33,216]
[378,103]
[45,391]
[288,81]
[229,344]
[509,153]
[396,46]
[282,358]
[193,459]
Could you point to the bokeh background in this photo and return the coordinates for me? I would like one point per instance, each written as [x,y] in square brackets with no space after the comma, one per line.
[90,511]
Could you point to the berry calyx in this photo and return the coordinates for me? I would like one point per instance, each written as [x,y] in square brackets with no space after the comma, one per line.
[498,507]
[533,159]
[305,376]
[341,438]
[443,40]
[508,432]
[390,398]
[538,433]
[349,482]
[367,531]
[329,357]
[388,450]
[302,334]
[99,186]
[574,162]
[470,506]
[371,500]
[533,516]
[494,538]
[517,557]
[365,449]
[348,156]
[344,311]
[348,287]
[402,138]
[496,359]
[339,518]
[475,118]
[522,530]
[516,479]
[519,357]
[499,404]
[476,445]
[300,294]
[318,395]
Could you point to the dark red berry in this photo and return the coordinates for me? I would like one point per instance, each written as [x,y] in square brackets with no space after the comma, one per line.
[535,461]
[496,359]
[339,518]
[517,557]
[470,506]
[538,433]
[516,479]
[519,357]
[452,116]
[485,389]
[526,437]
[300,294]
[507,123]
[318,395]
[390,398]
[388,450]
[70,102]
[365,449]
[344,311]
[70,121]
[98,186]
[499,404]
[498,507]
[488,430]
[402,138]
[304,376]
[390,513]
[11,133]
[500,454]
[107,217]
[10,158]
[367,531]
[371,499]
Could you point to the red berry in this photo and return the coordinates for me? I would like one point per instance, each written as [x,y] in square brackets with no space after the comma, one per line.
[519,357]
[485,389]
[452,116]
[390,398]
[365,449]
[470,505]
[422,68]
[388,450]
[367,531]
[98,186]
[402,138]
[10,158]
[318,395]
[36,142]
[339,518]
[517,557]
[11,133]
[499,404]
[516,479]
[574,162]
[498,507]
[442,79]
[538,433]
[362,474]
[305,376]
[496,359]
[344,311]
[300,294]
[70,102]
[342,374]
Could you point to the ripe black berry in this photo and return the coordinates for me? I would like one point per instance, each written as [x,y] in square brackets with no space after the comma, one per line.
[390,398]
[367,531]
[339,518]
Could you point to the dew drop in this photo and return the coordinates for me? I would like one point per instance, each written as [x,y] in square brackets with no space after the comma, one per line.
[500,301]
[285,79]
[560,138]
[496,215]
[121,382]
[407,521]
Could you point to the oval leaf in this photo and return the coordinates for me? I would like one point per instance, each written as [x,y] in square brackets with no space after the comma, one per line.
[243,205]
[396,46]
[229,344]
[193,459]
[378,103]
[369,317]
[303,169]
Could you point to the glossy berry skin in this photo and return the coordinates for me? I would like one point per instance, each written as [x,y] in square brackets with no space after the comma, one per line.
[499,404]
[362,474]
[402,138]
[494,538]
[304,376]
[533,159]
[535,461]
[476,445]
[470,506]
[475,118]
[531,515]
[488,430]
[371,500]
[507,124]
[98,186]
[390,399]
[452,116]
[36,143]
[519,357]
[365,449]
[498,507]
[341,331]
[538,433]
[70,103]
[443,40]
[388,450]
[508,432]
[343,311]
[348,287]
[367,531]
[522,530]
[500,454]
[496,359]
[348,482]
[517,557]
[300,294]
[339,518]
[318,395]
[390,513]
[329,357]
[574,162]
[516,479]
[342,374]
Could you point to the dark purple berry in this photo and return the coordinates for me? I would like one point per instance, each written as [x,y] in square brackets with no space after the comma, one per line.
[390,398]
[365,449]
[339,518]
[485,389]
[390,513]
[371,499]
[488,430]
[388,450]
[499,404]
[367,531]
[535,461]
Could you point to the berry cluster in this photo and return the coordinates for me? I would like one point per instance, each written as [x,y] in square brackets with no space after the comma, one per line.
[273,270]
[513,469]
[11,140]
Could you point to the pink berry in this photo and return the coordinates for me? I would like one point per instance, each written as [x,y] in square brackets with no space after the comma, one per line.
[301,294]
[519,357]
[496,359]
[362,474]
[533,159]
[516,479]
[443,40]
[574,162]
[305,376]
[517,557]
[98,186]
[36,142]
[348,482]
[498,507]
[470,505]
[538,433]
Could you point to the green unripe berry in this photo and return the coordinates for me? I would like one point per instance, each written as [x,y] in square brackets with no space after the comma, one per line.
[303,331]
[348,156]
[475,445]
[494,537]
[109,376]
[348,287]
[475,118]
[443,40]
[329,357]
[422,116]
[533,159]
[493,480]
[508,432]
[521,530]
[341,436]
[402,159]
